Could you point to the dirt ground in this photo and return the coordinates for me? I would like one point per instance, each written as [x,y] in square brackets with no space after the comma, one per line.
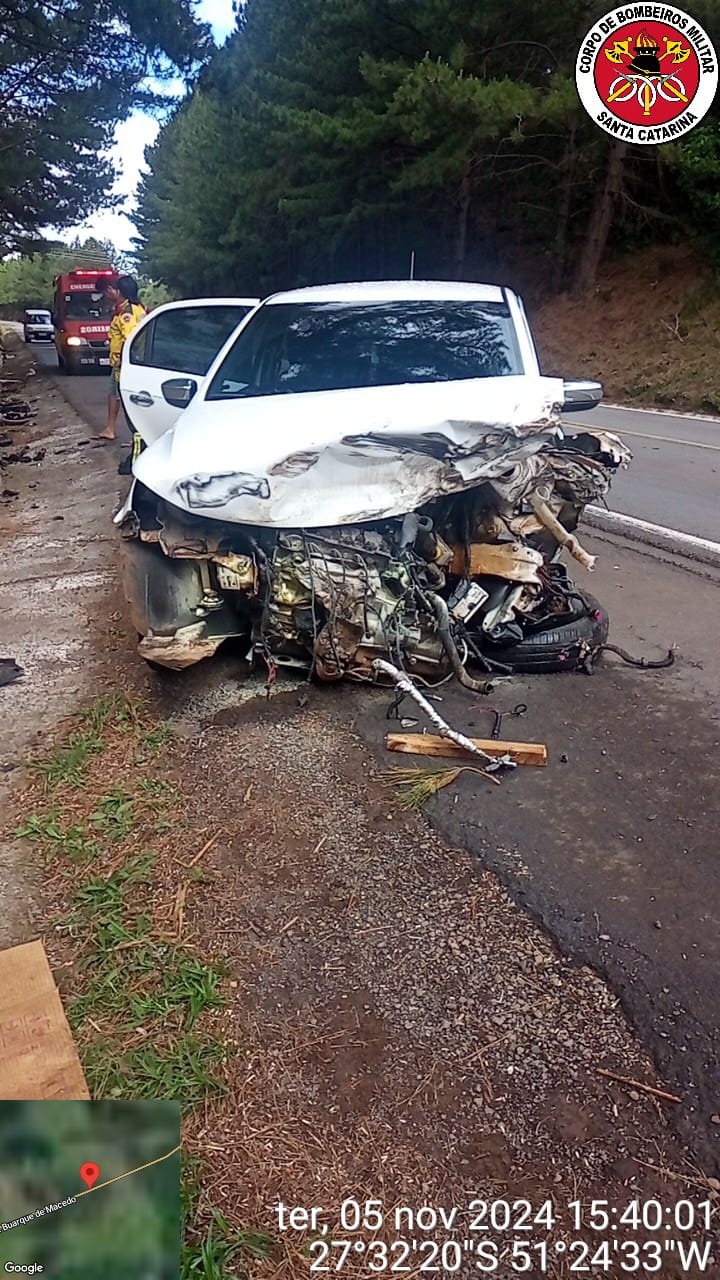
[397,1027]
[404,1031]
[652,325]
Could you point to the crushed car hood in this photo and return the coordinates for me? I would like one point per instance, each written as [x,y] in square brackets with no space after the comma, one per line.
[346,457]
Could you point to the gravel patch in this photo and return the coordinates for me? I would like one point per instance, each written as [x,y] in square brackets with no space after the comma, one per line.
[400,1029]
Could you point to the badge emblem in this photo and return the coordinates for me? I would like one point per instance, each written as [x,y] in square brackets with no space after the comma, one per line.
[647,73]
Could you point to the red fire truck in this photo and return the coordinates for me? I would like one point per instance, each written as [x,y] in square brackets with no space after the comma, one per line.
[81,318]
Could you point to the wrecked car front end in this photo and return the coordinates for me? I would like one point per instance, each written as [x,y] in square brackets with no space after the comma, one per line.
[420,523]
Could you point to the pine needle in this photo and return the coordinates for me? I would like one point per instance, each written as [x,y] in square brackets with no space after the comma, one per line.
[416,786]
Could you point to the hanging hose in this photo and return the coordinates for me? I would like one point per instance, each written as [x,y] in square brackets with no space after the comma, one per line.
[440,609]
[646,663]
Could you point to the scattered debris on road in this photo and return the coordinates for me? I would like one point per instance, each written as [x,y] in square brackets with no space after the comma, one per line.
[15,411]
[23,455]
[638,1084]
[407,688]
[10,671]
[430,744]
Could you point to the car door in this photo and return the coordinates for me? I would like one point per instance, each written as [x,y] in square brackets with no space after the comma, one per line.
[177,341]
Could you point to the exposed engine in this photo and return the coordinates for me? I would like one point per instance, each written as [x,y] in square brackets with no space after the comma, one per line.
[465,579]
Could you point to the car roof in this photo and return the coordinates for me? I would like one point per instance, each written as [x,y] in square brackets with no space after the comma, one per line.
[206,302]
[392,291]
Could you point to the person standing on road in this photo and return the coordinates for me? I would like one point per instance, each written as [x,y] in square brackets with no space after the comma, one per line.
[129,311]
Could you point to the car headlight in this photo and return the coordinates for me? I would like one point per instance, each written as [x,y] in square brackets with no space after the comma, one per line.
[76,342]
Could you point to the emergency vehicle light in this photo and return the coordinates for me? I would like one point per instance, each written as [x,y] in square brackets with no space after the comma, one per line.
[81,272]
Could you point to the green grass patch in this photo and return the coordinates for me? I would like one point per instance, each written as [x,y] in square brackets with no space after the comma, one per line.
[220,1251]
[68,765]
[140,992]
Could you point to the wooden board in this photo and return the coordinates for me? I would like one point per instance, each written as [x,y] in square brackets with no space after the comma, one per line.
[431,744]
[38,1058]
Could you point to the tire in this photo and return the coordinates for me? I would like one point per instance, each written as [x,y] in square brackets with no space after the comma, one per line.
[561,648]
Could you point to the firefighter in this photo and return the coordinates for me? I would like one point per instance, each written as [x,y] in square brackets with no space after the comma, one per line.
[129,311]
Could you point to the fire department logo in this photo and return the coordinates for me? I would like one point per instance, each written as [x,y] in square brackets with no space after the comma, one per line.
[647,73]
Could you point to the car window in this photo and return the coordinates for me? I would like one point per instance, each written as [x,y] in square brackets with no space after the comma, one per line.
[330,346]
[88,306]
[37,317]
[186,339]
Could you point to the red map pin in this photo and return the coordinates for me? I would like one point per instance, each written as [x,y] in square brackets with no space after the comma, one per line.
[89,1172]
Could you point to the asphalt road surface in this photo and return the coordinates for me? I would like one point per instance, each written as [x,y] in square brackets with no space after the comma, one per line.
[86,392]
[674,479]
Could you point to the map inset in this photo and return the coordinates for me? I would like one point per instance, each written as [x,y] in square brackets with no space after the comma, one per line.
[90,1190]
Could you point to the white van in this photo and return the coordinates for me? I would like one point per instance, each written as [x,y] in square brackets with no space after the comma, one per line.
[37,326]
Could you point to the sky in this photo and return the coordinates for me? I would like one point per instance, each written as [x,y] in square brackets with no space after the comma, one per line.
[131,138]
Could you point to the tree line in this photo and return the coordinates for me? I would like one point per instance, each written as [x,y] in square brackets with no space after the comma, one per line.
[69,71]
[26,280]
[332,139]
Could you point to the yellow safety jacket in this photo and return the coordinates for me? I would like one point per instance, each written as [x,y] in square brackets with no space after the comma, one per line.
[121,326]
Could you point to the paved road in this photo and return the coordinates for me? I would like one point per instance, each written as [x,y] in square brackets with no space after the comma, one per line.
[674,479]
[87,392]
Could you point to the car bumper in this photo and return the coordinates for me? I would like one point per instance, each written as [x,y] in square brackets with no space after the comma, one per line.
[81,358]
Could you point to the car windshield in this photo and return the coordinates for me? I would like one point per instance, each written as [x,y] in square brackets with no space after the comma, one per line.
[37,317]
[88,306]
[332,346]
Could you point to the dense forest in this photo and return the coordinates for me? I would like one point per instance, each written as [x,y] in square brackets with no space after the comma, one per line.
[69,71]
[331,139]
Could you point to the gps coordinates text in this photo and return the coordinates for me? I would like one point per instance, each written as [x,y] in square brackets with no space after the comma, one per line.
[591,1237]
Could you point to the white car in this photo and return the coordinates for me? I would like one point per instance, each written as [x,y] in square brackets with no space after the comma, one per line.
[362,469]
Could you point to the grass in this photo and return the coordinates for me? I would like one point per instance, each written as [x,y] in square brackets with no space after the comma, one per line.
[415,786]
[108,827]
[217,1253]
[68,765]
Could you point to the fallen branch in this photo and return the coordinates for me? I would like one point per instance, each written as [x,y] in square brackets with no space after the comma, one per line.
[674,329]
[637,1084]
[704,1183]
[405,684]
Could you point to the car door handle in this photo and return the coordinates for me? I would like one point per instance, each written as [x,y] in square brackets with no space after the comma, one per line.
[142,398]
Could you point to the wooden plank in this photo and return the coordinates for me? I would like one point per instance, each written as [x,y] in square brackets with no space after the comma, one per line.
[38,1058]
[431,744]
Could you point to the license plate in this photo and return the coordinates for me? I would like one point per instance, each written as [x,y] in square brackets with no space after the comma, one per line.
[104,360]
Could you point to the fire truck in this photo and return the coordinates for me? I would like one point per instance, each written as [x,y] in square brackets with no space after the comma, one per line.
[81,319]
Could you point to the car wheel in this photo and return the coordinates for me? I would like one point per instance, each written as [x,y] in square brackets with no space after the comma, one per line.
[561,648]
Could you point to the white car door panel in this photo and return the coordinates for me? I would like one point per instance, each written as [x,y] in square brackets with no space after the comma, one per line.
[179,340]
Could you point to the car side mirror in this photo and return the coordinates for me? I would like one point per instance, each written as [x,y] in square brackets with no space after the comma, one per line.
[579,394]
[179,391]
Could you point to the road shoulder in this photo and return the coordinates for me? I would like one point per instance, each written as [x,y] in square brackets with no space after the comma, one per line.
[60,612]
